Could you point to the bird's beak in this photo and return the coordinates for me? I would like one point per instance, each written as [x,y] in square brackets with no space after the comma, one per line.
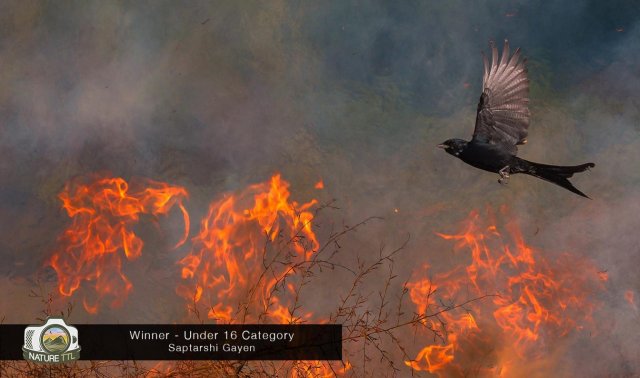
[442,145]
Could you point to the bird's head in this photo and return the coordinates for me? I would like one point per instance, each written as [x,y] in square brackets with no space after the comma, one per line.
[453,146]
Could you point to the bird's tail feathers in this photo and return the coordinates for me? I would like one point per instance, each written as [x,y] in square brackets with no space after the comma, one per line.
[558,174]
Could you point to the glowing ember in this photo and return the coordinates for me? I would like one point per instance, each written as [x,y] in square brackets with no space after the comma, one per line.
[247,248]
[630,298]
[503,306]
[103,212]
[319,185]
[603,275]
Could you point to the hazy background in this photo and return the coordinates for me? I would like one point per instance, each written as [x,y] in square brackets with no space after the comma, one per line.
[214,96]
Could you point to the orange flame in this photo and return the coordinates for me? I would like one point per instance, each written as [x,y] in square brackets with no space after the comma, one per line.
[435,356]
[238,251]
[244,262]
[160,369]
[318,369]
[103,212]
[319,185]
[534,299]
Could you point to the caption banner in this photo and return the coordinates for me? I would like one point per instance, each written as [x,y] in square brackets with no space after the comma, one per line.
[179,342]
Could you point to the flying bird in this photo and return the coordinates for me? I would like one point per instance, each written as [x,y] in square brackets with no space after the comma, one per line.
[501,125]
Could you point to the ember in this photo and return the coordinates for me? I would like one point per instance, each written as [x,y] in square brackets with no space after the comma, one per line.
[630,298]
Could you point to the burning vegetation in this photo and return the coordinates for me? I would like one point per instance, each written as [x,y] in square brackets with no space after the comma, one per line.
[528,302]
[241,234]
[496,307]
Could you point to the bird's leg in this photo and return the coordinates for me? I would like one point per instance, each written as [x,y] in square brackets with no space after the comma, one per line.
[504,175]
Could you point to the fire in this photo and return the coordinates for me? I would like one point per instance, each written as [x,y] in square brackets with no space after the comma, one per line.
[313,369]
[319,185]
[160,369]
[103,212]
[242,263]
[508,299]
[436,357]
[630,298]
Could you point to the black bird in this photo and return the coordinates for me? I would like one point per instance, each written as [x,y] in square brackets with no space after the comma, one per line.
[501,125]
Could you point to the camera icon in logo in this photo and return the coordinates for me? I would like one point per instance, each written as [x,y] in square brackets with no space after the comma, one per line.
[52,342]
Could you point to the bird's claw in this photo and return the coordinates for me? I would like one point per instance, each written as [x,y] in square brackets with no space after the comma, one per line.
[504,175]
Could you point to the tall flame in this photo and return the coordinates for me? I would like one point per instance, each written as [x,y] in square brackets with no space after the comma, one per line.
[246,262]
[522,301]
[247,245]
[103,213]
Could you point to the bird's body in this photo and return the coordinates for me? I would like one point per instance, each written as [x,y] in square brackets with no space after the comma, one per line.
[486,156]
[501,125]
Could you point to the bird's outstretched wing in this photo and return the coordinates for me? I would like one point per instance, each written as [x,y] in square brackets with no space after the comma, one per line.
[503,111]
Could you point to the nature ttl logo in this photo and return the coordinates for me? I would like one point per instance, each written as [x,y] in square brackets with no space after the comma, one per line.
[52,342]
